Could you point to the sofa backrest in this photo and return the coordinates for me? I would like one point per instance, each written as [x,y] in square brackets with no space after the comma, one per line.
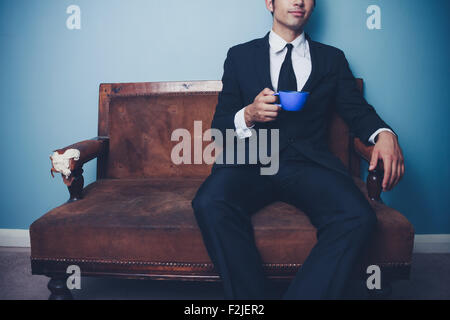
[139,119]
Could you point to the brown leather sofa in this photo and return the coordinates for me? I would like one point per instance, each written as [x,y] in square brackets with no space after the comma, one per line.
[136,219]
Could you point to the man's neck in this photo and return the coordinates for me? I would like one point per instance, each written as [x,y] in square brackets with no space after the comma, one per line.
[287,34]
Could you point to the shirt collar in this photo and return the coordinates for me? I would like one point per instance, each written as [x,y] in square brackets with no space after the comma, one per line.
[277,43]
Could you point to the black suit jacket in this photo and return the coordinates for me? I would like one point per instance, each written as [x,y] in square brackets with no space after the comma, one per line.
[331,84]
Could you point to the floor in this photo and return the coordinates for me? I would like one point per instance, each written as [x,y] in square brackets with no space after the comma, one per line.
[430,279]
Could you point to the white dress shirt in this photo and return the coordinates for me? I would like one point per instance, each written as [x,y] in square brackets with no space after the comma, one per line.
[301,62]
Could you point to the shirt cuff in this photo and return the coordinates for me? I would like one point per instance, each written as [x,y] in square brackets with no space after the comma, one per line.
[242,131]
[373,136]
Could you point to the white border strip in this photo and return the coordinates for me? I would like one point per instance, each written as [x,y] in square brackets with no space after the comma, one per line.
[423,243]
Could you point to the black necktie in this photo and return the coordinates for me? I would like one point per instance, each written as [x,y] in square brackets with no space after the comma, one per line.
[287,80]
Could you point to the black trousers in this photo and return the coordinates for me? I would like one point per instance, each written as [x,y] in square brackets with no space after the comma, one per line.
[344,220]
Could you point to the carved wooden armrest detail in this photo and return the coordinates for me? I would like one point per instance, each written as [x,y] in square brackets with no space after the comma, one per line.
[69,162]
[375,177]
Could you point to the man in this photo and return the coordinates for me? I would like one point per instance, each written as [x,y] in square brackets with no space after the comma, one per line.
[310,177]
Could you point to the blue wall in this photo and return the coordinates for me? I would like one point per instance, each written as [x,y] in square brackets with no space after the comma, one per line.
[50,77]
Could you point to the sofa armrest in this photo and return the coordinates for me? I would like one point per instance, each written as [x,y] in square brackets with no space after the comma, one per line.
[71,164]
[375,177]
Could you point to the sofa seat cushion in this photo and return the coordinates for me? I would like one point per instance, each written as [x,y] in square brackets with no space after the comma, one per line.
[151,220]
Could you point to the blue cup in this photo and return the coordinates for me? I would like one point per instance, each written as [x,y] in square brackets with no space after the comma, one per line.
[292,100]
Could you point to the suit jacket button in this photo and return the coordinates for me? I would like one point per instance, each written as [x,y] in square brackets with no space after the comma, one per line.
[291,140]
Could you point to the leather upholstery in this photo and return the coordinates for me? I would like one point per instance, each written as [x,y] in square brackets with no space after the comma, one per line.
[151,220]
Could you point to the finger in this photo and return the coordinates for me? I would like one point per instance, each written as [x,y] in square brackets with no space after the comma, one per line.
[400,173]
[387,172]
[269,99]
[267,91]
[263,93]
[262,115]
[389,180]
[397,173]
[271,108]
[394,175]
[373,161]
[270,114]
[269,119]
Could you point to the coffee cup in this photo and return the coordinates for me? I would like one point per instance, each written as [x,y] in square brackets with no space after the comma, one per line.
[292,100]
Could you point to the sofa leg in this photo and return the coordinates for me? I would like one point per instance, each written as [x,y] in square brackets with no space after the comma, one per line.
[58,288]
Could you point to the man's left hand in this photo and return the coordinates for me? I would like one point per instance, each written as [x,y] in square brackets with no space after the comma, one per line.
[388,149]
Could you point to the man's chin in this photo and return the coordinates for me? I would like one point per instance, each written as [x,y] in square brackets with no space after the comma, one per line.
[297,25]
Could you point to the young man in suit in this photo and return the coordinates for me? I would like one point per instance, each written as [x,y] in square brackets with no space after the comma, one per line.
[310,177]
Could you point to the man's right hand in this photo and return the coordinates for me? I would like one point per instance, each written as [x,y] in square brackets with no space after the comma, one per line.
[262,109]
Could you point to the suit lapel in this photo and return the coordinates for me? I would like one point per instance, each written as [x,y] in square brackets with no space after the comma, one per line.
[317,66]
[262,61]
[262,64]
